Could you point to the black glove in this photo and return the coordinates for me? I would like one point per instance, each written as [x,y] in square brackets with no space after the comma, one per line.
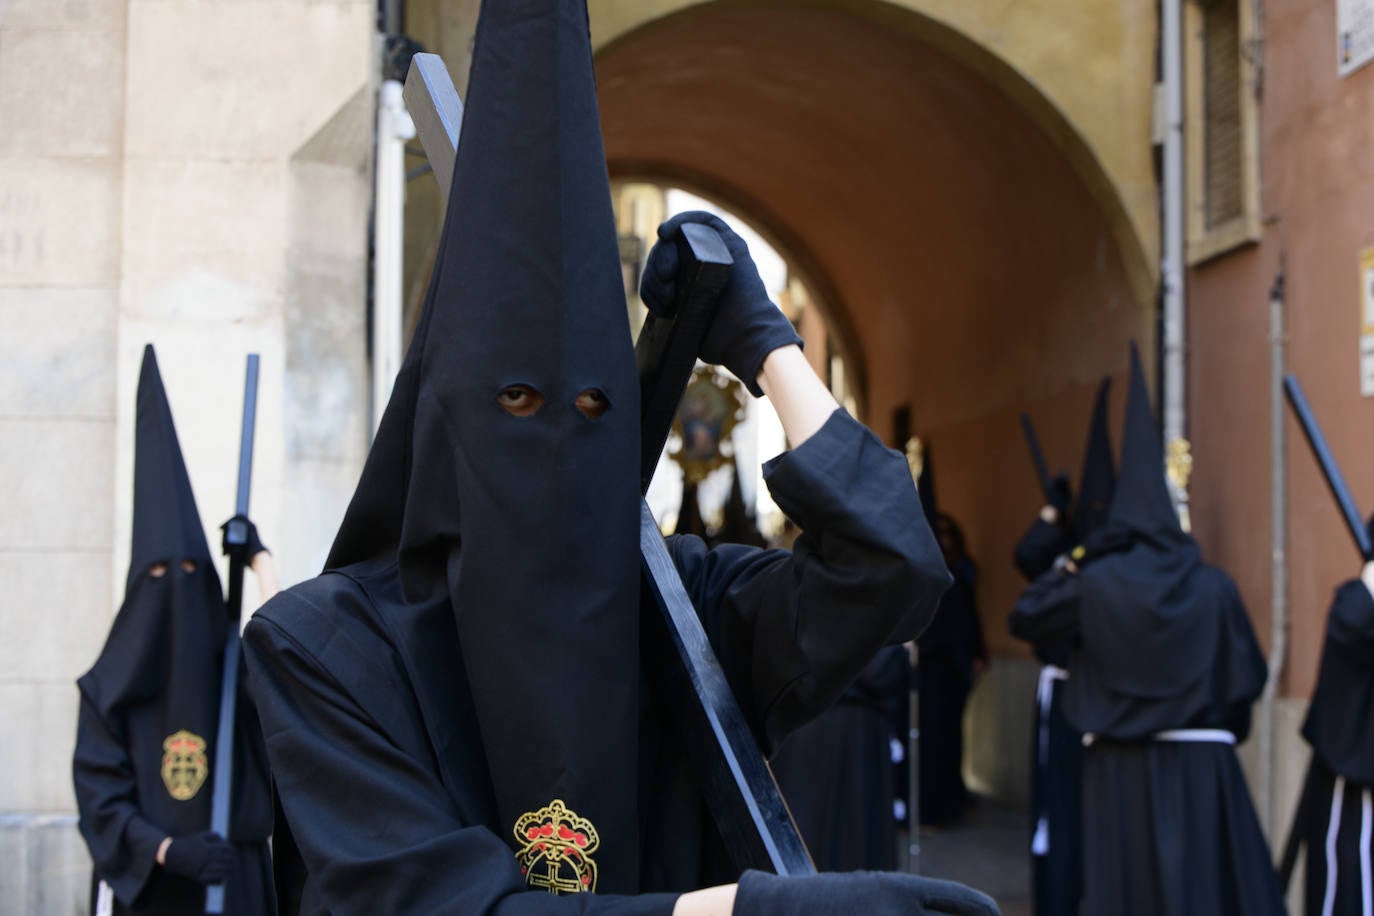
[205,857]
[254,544]
[747,325]
[844,894]
[1060,494]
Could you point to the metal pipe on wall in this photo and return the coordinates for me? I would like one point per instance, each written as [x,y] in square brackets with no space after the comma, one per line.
[1174,396]
[394,128]
[1278,621]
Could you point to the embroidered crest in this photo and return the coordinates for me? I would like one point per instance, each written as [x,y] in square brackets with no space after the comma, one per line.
[184,764]
[556,849]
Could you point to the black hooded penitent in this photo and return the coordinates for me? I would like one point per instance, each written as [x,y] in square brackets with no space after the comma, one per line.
[1164,671]
[520,392]
[167,638]
[143,767]
[1153,612]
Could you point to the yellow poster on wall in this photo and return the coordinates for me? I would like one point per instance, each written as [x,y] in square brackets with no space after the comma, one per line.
[1366,301]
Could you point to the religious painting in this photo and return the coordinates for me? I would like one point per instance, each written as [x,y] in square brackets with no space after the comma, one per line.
[709,411]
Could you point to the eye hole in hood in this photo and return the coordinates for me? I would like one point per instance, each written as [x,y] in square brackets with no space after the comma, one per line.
[520,400]
[593,403]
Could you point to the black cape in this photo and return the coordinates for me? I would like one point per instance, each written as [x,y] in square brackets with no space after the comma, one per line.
[380,759]
[149,713]
[836,775]
[1163,642]
[1340,782]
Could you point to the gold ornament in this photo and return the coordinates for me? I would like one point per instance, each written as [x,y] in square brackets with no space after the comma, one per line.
[709,412]
[184,764]
[556,849]
[1178,467]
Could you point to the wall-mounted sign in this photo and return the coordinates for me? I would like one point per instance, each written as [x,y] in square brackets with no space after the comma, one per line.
[1367,322]
[1354,34]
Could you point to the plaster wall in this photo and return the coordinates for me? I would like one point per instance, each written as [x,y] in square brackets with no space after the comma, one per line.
[1317,199]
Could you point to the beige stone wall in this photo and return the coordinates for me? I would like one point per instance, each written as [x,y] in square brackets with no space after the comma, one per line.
[61,95]
[195,175]
[61,105]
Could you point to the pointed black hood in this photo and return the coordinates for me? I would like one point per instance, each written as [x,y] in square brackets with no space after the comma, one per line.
[1141,502]
[925,485]
[505,471]
[166,524]
[1097,481]
[1144,602]
[162,659]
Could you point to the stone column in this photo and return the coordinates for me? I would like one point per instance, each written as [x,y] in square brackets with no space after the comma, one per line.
[61,104]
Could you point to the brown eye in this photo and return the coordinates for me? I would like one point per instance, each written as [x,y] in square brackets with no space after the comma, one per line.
[592,403]
[188,566]
[520,400]
[157,570]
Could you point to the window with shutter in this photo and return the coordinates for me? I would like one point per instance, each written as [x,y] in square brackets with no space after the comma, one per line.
[1223,166]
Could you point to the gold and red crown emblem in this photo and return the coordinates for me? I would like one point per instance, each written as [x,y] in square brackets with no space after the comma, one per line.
[184,764]
[556,847]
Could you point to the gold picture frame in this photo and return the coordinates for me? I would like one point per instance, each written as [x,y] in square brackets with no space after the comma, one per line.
[710,410]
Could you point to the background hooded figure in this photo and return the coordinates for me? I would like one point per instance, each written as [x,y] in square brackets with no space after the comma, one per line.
[1165,667]
[1056,746]
[1339,792]
[143,768]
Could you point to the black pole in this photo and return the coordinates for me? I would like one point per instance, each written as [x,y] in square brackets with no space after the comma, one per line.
[236,543]
[1042,470]
[1330,470]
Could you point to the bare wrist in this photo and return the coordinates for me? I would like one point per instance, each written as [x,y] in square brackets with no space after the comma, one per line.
[162,850]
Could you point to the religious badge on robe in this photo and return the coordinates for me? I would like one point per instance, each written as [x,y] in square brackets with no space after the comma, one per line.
[184,764]
[556,849]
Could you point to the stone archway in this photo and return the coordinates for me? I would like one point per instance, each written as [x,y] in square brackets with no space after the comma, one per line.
[971,267]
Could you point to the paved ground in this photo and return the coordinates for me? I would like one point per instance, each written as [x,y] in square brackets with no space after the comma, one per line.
[988,850]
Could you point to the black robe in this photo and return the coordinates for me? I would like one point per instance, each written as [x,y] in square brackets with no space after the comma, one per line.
[947,653]
[1168,827]
[837,775]
[125,815]
[1340,782]
[1056,753]
[371,728]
